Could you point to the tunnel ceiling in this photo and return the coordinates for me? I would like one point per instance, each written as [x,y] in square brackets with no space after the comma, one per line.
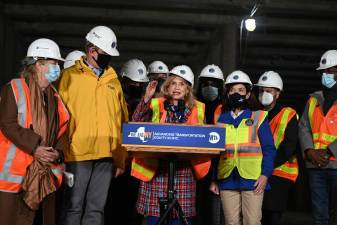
[291,35]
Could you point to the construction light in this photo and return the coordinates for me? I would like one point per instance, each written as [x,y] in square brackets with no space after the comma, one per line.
[250,24]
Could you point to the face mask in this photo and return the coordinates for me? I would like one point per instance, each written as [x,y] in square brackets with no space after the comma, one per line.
[53,73]
[103,60]
[236,101]
[209,93]
[266,98]
[328,80]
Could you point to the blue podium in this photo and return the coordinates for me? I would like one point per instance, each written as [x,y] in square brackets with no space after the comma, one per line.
[173,138]
[172,142]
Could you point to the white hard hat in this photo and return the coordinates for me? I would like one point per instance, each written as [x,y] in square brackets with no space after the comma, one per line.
[238,77]
[328,60]
[104,38]
[44,48]
[212,71]
[157,67]
[184,72]
[135,70]
[270,79]
[72,57]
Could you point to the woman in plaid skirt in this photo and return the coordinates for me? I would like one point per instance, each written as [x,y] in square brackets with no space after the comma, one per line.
[176,105]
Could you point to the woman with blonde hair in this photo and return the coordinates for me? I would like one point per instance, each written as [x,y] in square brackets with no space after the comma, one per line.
[32,120]
[176,105]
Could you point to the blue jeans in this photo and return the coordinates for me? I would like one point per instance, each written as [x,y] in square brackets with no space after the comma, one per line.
[152,220]
[322,183]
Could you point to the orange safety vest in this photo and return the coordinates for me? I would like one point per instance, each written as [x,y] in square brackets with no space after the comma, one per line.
[144,169]
[323,128]
[278,125]
[13,160]
[243,149]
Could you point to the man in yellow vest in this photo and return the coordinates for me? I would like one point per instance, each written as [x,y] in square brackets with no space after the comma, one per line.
[284,126]
[93,94]
[318,139]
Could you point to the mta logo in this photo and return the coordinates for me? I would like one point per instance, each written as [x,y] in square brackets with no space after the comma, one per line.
[214,137]
[141,134]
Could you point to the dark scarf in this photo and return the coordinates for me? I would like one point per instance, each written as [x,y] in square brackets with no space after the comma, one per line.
[176,113]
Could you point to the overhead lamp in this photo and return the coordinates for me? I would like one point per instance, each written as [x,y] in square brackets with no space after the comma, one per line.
[250,24]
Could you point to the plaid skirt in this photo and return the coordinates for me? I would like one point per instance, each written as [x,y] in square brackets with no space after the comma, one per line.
[184,185]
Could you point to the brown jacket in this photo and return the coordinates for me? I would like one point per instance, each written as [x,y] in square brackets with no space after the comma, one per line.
[39,181]
[25,139]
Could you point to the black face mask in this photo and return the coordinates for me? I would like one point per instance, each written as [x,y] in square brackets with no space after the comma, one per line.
[237,101]
[103,60]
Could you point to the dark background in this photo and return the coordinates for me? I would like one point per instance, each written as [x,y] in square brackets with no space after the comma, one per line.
[290,37]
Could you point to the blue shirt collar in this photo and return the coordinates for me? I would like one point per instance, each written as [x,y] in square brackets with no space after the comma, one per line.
[97,71]
[228,119]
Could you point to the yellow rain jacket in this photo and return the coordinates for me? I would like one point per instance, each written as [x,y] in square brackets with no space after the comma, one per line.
[97,110]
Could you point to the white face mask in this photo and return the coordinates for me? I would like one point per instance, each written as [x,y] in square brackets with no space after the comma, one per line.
[266,98]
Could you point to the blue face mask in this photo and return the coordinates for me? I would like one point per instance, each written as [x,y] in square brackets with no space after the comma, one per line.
[328,80]
[53,73]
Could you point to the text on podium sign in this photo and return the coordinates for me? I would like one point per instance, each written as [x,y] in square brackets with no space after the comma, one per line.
[178,136]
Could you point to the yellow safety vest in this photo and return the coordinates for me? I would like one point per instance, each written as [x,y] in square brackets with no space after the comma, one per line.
[145,169]
[243,149]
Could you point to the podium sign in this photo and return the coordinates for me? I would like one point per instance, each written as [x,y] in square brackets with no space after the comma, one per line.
[174,136]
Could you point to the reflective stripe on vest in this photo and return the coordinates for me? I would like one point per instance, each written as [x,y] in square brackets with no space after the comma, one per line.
[323,128]
[278,125]
[243,149]
[217,113]
[155,110]
[16,161]
[145,168]
[5,175]
[201,112]
[159,114]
